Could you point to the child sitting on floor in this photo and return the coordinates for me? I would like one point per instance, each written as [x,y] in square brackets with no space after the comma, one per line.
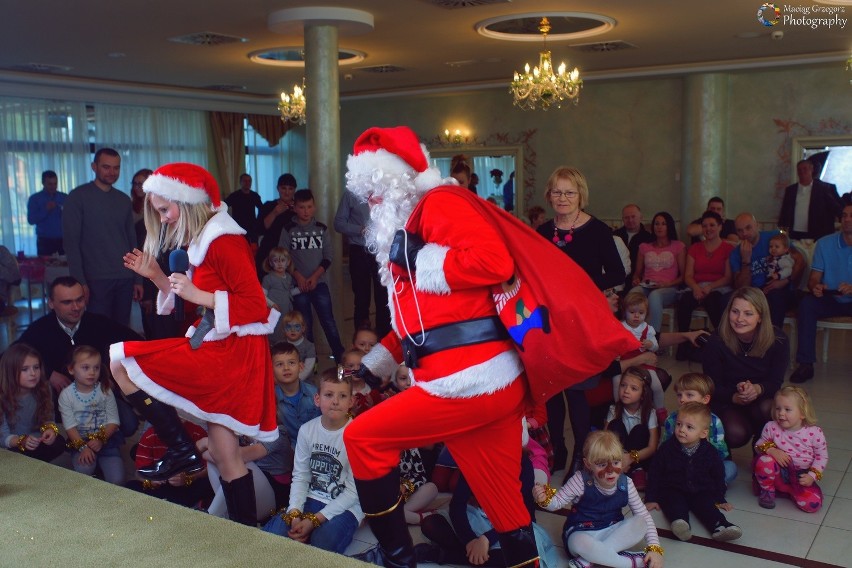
[633,420]
[794,453]
[698,387]
[687,475]
[90,417]
[26,422]
[596,531]
[324,510]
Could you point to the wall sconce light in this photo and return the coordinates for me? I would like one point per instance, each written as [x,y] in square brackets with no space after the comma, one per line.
[456,138]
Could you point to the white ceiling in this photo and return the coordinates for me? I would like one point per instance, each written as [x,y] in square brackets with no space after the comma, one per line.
[420,37]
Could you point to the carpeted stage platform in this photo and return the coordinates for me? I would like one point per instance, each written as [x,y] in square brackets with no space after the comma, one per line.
[51,516]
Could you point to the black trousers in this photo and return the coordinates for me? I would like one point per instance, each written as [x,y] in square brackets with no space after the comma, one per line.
[364,273]
[677,504]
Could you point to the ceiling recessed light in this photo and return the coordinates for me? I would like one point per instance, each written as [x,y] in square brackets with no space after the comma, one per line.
[294,56]
[563,26]
[116,55]
[748,35]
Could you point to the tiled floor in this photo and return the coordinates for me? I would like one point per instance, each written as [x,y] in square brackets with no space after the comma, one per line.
[804,539]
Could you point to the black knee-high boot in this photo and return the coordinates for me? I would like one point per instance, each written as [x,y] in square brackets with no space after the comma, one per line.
[383,506]
[519,547]
[240,499]
[182,455]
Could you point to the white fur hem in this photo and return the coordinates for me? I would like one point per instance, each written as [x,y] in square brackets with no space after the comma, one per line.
[380,361]
[221,315]
[141,380]
[256,328]
[430,276]
[487,377]
[174,190]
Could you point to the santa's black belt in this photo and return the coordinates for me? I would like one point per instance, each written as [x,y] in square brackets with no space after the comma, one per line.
[449,336]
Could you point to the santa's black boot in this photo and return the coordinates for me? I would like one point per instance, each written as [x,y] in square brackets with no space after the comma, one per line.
[182,455]
[519,547]
[383,506]
[240,499]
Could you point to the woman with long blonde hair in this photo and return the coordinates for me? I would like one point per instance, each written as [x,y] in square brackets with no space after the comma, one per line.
[221,372]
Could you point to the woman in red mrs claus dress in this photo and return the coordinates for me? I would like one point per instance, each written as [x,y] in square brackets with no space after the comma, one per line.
[221,372]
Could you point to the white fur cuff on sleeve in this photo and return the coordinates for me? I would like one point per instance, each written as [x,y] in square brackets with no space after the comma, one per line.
[221,313]
[165,303]
[430,275]
[380,361]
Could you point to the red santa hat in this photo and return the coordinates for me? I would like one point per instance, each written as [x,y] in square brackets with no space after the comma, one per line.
[184,183]
[394,151]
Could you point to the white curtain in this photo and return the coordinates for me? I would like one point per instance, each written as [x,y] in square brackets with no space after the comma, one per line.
[37,135]
[265,164]
[150,137]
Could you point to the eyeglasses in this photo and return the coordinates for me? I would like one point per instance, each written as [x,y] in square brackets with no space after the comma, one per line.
[568,194]
[292,327]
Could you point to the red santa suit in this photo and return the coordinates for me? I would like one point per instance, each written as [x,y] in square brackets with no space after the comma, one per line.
[469,387]
[228,380]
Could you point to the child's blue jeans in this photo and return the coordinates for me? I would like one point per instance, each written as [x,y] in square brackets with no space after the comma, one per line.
[334,535]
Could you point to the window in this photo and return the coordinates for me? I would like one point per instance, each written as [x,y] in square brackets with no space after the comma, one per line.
[265,164]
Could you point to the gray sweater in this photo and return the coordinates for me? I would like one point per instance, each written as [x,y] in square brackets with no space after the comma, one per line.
[310,247]
[97,227]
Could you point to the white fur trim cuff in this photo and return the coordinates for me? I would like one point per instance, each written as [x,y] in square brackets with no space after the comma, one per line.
[380,361]
[221,315]
[165,303]
[430,275]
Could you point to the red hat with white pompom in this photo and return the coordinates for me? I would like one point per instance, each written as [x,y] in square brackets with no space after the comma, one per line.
[394,151]
[184,183]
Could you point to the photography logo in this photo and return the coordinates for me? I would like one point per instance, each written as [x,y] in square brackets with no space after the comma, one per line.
[768,14]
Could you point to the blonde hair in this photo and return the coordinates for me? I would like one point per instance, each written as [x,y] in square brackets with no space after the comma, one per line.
[696,409]
[89,351]
[573,174]
[189,224]
[805,405]
[280,252]
[634,299]
[698,382]
[602,445]
[764,336]
[294,316]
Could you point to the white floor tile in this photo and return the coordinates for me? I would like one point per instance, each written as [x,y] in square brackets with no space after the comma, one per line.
[833,546]
[839,514]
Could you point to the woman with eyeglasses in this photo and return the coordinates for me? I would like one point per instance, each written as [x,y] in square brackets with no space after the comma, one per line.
[589,243]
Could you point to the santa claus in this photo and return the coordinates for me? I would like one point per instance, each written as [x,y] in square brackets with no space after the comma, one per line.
[444,255]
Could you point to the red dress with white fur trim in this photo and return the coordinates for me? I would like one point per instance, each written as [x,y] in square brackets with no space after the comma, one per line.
[228,380]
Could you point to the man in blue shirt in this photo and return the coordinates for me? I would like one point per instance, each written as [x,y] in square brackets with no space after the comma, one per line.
[750,267]
[830,284]
[44,210]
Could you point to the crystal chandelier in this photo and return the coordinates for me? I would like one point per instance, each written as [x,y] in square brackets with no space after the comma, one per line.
[292,106]
[543,87]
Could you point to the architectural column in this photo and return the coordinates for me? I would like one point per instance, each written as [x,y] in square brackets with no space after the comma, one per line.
[705,130]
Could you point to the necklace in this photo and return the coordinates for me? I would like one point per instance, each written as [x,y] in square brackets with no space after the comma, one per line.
[746,350]
[569,236]
[80,398]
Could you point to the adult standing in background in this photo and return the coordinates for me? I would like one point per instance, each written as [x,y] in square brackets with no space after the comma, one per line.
[810,207]
[10,274]
[244,204]
[272,218]
[589,242]
[97,228]
[634,234]
[351,219]
[44,210]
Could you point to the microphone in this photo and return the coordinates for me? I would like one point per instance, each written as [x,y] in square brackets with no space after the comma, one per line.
[179,262]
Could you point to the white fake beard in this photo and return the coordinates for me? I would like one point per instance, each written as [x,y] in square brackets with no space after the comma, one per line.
[398,198]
